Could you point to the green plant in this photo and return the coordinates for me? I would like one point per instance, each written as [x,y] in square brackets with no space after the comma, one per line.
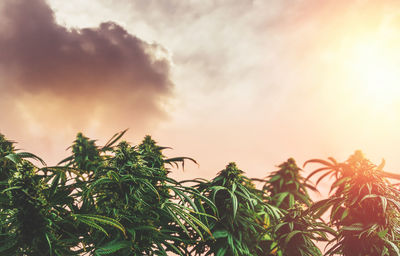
[30,221]
[297,230]
[130,184]
[118,199]
[364,207]
[286,187]
[243,218]
[114,200]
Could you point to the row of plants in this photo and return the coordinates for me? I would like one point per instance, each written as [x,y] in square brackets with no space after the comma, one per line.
[118,199]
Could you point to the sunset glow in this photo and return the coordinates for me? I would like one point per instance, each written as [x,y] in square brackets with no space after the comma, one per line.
[260,81]
[376,70]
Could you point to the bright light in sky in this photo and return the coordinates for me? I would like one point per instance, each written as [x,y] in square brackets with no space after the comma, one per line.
[255,82]
[374,66]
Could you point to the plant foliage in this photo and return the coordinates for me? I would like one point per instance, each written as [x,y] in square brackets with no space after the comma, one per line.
[243,218]
[364,207]
[118,199]
[298,230]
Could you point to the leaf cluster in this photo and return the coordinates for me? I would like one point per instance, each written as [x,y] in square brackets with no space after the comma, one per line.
[118,199]
[242,226]
[298,230]
[114,200]
[364,207]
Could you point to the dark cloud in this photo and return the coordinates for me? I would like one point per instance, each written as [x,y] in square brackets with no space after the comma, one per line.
[78,71]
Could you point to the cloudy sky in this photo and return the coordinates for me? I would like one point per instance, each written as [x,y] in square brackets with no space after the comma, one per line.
[250,81]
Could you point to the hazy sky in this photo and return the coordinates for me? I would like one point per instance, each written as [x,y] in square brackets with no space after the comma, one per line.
[250,81]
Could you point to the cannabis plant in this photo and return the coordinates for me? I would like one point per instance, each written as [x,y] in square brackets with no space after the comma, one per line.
[31,219]
[130,185]
[243,218]
[298,230]
[287,187]
[364,207]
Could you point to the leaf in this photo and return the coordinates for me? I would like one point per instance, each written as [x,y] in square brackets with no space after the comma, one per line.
[394,247]
[179,159]
[215,190]
[101,219]
[14,158]
[274,178]
[344,214]
[317,171]
[291,235]
[49,243]
[384,204]
[281,197]
[112,247]
[291,200]
[323,176]
[234,204]
[320,161]
[368,196]
[68,159]
[221,251]
[113,139]
[339,182]
[230,242]
[383,233]
[354,227]
[191,220]
[11,188]
[395,203]
[220,234]
[321,207]
[93,224]
[381,165]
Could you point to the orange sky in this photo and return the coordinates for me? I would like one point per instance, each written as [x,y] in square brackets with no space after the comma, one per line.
[254,82]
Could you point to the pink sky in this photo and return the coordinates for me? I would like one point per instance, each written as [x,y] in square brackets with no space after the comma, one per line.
[254,82]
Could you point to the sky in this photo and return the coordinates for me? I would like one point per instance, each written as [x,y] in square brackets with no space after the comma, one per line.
[250,81]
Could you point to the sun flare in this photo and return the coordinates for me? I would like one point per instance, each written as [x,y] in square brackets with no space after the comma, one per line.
[374,66]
